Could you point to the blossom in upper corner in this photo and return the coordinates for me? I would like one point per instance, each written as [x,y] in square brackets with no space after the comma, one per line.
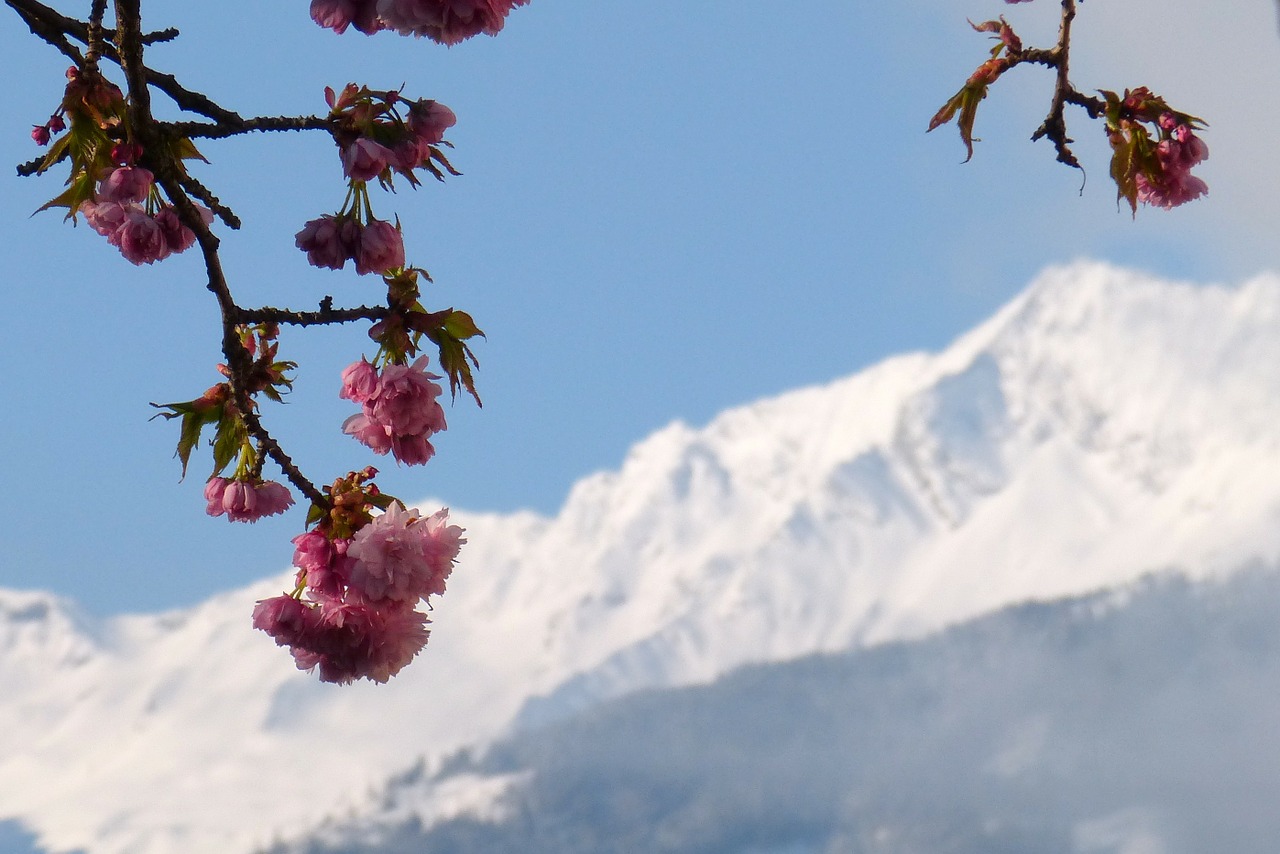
[337,15]
[1153,149]
[446,21]
[245,501]
[1172,184]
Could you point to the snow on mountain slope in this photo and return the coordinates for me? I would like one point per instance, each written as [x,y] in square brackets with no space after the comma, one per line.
[1102,425]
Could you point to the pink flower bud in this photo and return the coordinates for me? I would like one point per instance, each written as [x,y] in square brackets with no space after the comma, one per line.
[56,124]
[40,134]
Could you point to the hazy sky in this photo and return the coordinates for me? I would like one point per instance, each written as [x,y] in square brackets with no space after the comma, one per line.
[668,208]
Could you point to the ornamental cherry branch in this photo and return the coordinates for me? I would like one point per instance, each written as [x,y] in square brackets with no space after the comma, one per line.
[1154,147]
[367,560]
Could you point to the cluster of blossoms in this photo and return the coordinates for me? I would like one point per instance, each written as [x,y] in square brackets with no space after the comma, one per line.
[444,21]
[353,613]
[118,198]
[41,134]
[126,210]
[379,135]
[365,562]
[330,241]
[399,409]
[374,138]
[1153,166]
[246,500]
[1154,147]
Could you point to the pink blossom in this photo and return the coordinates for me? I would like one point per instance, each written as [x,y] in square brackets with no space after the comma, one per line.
[364,159]
[325,563]
[381,248]
[242,501]
[1172,184]
[272,498]
[337,15]
[446,21]
[353,640]
[1176,188]
[40,134]
[125,184]
[410,153]
[106,218]
[359,382]
[176,235]
[444,541]
[406,400]
[56,124]
[324,242]
[312,551]
[140,238]
[412,450]
[214,489]
[399,410]
[400,634]
[367,432]
[285,619]
[239,501]
[428,120]
[402,557]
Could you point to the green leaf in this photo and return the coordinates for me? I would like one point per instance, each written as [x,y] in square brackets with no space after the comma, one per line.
[314,514]
[185,149]
[460,325]
[227,441]
[382,501]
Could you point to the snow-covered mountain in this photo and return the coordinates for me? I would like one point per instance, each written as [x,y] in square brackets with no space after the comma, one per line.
[1101,426]
[1139,720]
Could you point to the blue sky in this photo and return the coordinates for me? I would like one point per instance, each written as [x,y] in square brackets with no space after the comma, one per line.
[667,209]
